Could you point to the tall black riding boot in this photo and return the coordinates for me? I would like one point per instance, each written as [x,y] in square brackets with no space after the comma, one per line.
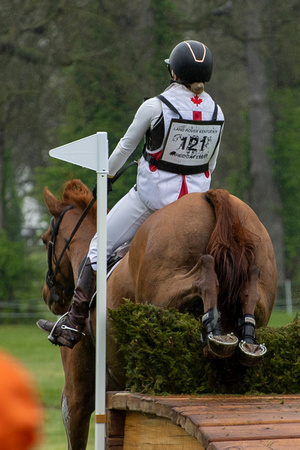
[68,330]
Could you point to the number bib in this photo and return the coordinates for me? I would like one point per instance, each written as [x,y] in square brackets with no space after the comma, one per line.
[191,143]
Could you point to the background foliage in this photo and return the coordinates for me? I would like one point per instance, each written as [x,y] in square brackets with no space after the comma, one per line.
[286,139]
[69,69]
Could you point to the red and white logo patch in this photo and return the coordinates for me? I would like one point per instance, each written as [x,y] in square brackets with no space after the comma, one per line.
[196,100]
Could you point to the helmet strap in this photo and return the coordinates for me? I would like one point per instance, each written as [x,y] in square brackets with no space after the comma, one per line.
[170,71]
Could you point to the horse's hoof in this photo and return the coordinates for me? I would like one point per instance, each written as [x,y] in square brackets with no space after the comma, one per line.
[209,354]
[222,346]
[251,354]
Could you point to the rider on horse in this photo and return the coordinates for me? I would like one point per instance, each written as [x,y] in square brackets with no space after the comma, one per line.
[182,129]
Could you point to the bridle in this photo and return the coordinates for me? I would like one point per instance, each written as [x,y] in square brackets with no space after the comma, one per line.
[51,280]
[51,275]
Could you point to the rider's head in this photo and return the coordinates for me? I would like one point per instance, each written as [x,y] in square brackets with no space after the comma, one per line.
[190,61]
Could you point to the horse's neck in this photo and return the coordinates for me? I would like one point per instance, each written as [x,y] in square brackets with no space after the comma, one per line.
[79,246]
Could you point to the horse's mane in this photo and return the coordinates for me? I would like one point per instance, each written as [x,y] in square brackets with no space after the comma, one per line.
[75,192]
[232,247]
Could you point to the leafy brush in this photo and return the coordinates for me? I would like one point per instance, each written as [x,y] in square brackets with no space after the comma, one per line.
[163,354]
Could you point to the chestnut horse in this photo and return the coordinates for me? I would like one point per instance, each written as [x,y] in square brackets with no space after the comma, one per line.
[209,248]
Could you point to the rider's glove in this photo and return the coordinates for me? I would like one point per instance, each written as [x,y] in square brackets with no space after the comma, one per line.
[109,184]
[109,187]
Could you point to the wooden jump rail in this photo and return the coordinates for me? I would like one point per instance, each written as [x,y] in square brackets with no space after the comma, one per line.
[136,421]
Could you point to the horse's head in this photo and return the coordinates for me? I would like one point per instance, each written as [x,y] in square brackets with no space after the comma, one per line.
[65,255]
[59,287]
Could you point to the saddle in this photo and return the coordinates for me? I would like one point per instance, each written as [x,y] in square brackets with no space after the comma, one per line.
[117,256]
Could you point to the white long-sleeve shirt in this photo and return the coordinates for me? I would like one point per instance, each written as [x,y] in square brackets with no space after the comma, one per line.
[158,188]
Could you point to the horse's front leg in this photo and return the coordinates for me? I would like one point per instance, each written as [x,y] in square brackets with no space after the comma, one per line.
[78,394]
[250,353]
[215,343]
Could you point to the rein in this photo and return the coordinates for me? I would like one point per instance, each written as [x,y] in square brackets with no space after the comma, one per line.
[120,172]
[51,274]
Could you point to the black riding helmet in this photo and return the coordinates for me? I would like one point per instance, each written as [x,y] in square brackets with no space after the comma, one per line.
[191,61]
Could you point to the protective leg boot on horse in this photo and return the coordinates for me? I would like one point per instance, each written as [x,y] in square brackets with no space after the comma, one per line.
[215,343]
[250,353]
[68,330]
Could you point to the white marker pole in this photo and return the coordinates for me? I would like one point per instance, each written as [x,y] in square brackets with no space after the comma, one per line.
[100,403]
[92,153]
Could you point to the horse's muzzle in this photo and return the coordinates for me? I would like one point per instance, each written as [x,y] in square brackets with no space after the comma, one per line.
[53,301]
[53,296]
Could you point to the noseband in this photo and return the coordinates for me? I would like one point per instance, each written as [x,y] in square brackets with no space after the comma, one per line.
[51,280]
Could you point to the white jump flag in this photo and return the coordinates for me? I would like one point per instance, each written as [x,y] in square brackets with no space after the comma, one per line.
[92,153]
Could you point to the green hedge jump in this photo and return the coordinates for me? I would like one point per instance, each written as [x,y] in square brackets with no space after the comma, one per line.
[163,353]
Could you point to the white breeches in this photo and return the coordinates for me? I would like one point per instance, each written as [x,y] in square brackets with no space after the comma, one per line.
[123,221]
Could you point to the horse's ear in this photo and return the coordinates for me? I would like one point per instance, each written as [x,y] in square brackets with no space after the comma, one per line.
[54,206]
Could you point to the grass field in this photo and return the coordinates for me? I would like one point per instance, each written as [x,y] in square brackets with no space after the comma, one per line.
[30,345]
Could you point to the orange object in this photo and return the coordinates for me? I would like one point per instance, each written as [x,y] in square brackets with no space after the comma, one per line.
[20,411]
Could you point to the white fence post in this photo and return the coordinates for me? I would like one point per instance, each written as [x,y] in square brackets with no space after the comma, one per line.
[288,296]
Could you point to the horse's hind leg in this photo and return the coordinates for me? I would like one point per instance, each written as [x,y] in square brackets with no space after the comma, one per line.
[249,352]
[249,299]
[215,343]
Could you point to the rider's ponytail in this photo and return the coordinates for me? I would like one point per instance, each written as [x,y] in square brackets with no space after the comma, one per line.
[196,87]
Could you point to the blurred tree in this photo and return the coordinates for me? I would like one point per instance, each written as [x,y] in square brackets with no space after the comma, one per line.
[16,273]
[25,89]
[264,193]
[287,167]
[29,110]
[283,64]
[12,215]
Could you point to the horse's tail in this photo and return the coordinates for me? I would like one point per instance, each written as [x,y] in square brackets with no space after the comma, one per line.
[232,247]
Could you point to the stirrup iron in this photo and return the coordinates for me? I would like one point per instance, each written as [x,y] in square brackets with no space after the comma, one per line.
[52,338]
